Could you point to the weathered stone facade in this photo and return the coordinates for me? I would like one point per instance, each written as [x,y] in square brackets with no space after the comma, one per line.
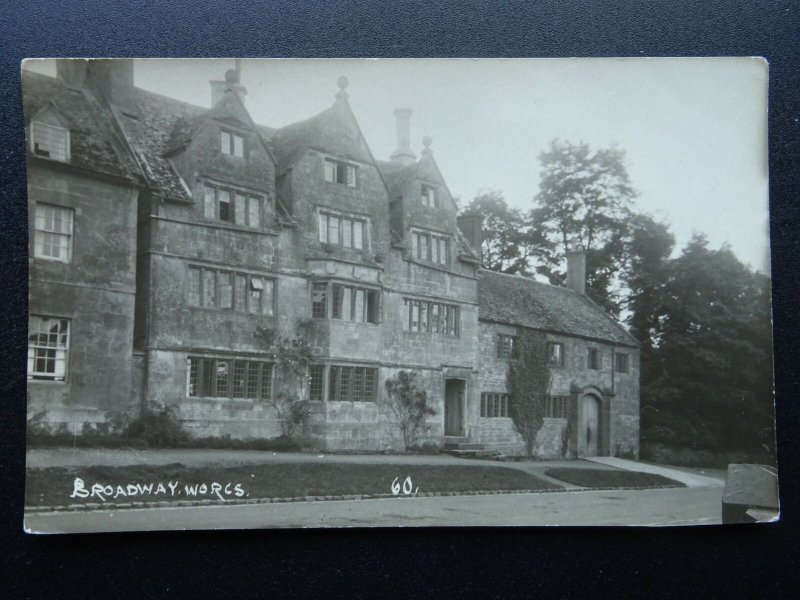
[216,227]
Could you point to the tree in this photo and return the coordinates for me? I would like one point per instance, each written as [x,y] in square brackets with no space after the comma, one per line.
[709,382]
[584,198]
[293,357]
[409,406]
[508,241]
[529,382]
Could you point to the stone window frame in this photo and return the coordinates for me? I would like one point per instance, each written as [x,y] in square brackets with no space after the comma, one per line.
[433,312]
[323,302]
[507,346]
[42,233]
[338,172]
[202,375]
[251,284]
[622,362]
[232,148]
[429,195]
[556,360]
[443,240]
[326,216]
[495,405]
[42,131]
[339,388]
[556,407]
[234,193]
[50,346]
[594,358]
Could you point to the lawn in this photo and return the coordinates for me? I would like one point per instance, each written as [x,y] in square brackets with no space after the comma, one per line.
[605,478]
[116,485]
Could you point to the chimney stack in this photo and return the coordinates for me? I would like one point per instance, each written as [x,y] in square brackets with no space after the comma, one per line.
[112,78]
[576,268]
[231,84]
[72,71]
[471,225]
[403,154]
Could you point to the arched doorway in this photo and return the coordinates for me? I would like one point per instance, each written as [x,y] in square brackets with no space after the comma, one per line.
[590,431]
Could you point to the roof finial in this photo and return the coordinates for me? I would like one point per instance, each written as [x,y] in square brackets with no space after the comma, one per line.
[427,141]
[342,82]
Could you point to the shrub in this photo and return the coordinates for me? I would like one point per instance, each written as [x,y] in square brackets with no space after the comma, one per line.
[409,405]
[158,429]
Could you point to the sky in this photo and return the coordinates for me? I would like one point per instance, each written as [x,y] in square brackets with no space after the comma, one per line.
[694,130]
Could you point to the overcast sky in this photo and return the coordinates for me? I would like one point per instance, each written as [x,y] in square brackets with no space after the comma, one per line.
[694,130]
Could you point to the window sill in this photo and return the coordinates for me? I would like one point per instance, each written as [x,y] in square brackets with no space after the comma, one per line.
[48,381]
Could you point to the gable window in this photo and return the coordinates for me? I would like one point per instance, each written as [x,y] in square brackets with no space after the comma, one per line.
[242,292]
[506,346]
[50,141]
[494,405]
[422,316]
[232,206]
[337,171]
[52,238]
[555,353]
[340,230]
[430,247]
[593,359]
[225,378]
[352,384]
[429,196]
[231,143]
[48,344]
[621,362]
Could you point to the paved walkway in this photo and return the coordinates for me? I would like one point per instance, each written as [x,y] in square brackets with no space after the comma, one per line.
[686,477]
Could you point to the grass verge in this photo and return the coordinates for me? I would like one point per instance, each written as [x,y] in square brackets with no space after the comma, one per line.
[53,486]
[605,478]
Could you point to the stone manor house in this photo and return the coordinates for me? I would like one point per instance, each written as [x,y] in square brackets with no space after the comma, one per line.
[163,235]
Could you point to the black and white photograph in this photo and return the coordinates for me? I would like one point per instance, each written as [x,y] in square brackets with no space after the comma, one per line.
[323,293]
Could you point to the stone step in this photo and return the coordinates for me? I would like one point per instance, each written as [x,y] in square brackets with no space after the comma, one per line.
[484,454]
[463,446]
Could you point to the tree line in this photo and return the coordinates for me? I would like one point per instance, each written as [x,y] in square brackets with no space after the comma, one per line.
[702,317]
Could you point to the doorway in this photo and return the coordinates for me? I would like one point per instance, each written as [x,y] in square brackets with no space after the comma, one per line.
[591,426]
[454,407]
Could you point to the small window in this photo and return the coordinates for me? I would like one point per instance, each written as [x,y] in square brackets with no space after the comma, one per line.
[50,141]
[555,351]
[429,247]
[241,292]
[431,317]
[319,300]
[352,384]
[231,143]
[232,206]
[621,362]
[494,405]
[48,344]
[337,171]
[52,237]
[429,197]
[555,407]
[593,359]
[316,388]
[506,346]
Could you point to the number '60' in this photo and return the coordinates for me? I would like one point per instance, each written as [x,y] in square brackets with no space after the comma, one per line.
[407,487]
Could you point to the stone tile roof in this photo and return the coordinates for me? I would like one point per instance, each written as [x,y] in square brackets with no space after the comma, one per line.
[288,143]
[94,142]
[517,300]
[397,176]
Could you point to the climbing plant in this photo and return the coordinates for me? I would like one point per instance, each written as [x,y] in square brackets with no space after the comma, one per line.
[409,406]
[529,381]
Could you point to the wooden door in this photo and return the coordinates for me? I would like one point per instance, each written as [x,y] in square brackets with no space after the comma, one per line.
[453,407]
[591,426]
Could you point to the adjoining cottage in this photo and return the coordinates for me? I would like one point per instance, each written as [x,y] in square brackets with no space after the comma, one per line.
[164,235]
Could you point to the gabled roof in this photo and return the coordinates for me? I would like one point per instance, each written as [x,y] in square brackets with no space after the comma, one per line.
[397,176]
[94,143]
[524,302]
[289,143]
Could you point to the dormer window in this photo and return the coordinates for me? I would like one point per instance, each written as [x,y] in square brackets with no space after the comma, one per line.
[50,141]
[429,197]
[338,171]
[231,143]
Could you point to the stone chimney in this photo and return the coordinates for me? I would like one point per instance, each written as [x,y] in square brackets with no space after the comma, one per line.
[113,79]
[403,155]
[471,225]
[576,268]
[72,71]
[231,84]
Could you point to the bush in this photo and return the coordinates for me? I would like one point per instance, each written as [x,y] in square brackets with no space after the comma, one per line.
[158,429]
